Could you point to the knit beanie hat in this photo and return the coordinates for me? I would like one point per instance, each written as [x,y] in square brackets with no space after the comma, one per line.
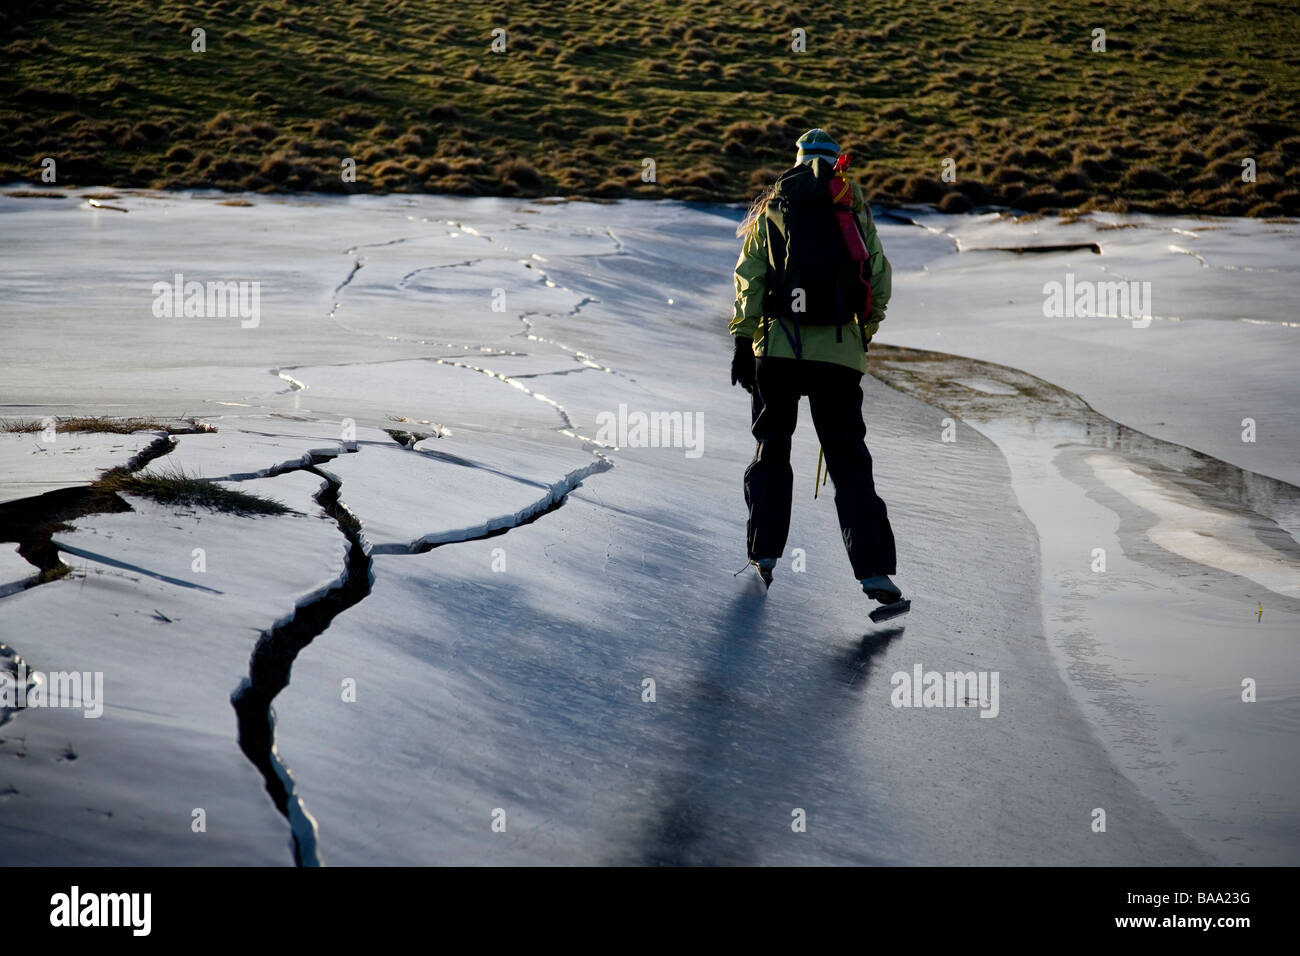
[816,144]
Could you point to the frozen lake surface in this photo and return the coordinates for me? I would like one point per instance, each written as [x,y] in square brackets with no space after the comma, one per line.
[534,649]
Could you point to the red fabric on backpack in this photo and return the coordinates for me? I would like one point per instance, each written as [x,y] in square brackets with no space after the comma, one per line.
[841,193]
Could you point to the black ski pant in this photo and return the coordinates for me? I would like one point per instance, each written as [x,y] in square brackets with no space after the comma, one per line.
[835,397]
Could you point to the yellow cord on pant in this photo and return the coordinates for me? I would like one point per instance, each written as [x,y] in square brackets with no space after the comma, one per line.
[821,476]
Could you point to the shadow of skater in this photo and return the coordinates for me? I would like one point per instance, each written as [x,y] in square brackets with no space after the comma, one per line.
[756,732]
[684,831]
[855,665]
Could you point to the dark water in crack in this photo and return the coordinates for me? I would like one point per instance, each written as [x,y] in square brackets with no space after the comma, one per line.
[272,663]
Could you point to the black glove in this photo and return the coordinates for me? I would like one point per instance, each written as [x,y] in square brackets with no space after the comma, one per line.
[742,363]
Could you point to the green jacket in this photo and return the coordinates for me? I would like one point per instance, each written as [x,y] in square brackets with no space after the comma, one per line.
[818,341]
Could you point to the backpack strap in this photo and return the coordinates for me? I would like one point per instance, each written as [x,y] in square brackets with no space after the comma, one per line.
[776,254]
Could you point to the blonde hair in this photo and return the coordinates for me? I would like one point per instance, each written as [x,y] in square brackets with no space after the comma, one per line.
[756,209]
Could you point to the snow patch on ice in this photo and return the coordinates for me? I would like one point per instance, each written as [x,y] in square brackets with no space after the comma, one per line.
[1189,527]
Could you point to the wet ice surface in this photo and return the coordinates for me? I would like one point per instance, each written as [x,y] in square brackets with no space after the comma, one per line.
[1190,376]
[504,670]
[1160,642]
[1169,578]
[172,643]
[511,677]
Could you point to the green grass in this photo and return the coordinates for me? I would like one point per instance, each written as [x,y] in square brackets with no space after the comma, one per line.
[175,487]
[587,89]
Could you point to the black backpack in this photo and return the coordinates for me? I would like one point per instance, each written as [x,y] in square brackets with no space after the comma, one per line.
[811,278]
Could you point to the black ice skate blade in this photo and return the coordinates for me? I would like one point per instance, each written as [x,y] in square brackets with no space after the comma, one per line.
[890,611]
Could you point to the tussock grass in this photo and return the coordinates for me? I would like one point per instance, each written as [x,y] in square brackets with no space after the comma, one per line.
[712,92]
[116,426]
[175,487]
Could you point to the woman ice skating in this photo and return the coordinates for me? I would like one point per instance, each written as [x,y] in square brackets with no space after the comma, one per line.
[812,285]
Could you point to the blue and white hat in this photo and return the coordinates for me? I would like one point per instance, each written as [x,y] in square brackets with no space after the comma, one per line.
[816,144]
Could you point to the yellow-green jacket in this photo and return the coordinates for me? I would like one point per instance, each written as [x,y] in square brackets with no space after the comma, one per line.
[818,341]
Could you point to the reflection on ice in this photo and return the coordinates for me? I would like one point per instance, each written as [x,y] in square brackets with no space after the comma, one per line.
[1155,559]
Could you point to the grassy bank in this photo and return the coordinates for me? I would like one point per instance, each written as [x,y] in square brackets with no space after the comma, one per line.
[1012,92]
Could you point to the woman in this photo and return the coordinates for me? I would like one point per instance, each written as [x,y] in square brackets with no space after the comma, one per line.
[810,345]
